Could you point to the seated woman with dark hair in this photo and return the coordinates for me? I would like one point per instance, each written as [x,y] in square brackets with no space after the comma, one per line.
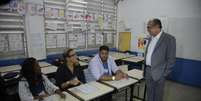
[34,86]
[69,74]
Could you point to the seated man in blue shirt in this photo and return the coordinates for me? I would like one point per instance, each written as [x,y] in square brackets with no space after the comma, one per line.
[103,66]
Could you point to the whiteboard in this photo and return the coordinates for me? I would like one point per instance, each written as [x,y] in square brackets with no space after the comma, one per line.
[35,32]
[36,37]
[187,32]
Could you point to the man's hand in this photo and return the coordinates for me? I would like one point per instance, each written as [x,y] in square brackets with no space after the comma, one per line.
[125,75]
[74,82]
[120,75]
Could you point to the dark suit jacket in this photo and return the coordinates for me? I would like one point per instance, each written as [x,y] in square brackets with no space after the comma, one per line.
[163,57]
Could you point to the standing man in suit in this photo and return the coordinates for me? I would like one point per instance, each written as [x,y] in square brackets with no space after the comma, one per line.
[159,59]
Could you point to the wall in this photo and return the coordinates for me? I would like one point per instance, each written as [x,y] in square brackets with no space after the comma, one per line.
[135,14]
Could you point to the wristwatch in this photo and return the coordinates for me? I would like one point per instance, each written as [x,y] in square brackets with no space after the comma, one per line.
[113,78]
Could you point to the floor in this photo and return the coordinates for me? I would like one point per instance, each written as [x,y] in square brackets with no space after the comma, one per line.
[173,92]
[179,92]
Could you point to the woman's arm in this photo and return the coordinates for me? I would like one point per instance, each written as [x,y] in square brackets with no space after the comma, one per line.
[24,92]
[49,86]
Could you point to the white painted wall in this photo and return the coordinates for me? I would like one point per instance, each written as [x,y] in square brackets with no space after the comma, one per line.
[135,13]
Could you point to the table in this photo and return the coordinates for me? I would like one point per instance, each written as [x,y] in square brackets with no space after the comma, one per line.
[123,68]
[98,90]
[121,84]
[46,68]
[10,68]
[56,97]
[82,63]
[44,64]
[84,58]
[118,55]
[135,73]
[134,59]
[138,75]
[49,69]
[139,61]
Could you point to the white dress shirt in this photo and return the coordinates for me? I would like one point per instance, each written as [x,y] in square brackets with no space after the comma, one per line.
[151,48]
[97,69]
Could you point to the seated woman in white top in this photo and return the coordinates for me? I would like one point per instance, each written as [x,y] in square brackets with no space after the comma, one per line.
[103,66]
[34,86]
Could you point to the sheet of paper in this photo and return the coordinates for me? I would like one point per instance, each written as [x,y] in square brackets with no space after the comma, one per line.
[39,10]
[87,89]
[61,13]
[56,97]
[21,8]
[48,12]
[83,26]
[69,28]
[91,39]
[92,16]
[73,36]
[61,25]
[96,16]
[73,44]
[100,21]
[15,42]
[81,16]
[51,26]
[106,25]
[99,39]
[113,26]
[3,43]
[69,15]
[61,40]
[105,17]
[51,40]
[13,4]
[119,83]
[31,8]
[81,39]
[55,13]
[88,17]
[109,38]
[76,16]
[93,27]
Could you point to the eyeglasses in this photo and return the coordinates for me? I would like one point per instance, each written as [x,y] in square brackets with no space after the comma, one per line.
[72,55]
